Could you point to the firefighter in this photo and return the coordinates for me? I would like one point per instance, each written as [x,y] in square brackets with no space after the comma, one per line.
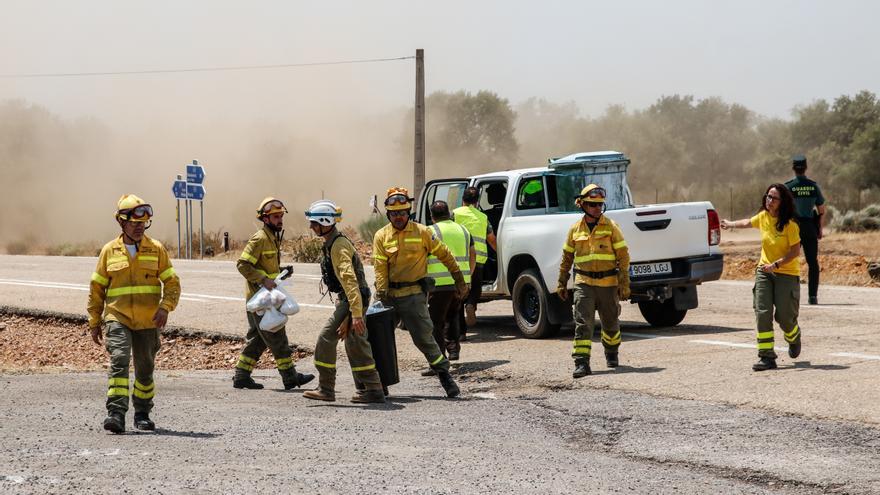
[260,264]
[480,229]
[133,289]
[596,247]
[400,260]
[444,304]
[343,274]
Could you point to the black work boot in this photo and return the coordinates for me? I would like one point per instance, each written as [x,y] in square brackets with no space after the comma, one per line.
[764,364]
[581,369]
[242,379]
[611,359]
[115,422]
[794,349]
[293,379]
[448,383]
[142,421]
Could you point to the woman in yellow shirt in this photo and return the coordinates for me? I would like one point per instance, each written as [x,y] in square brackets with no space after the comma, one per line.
[777,277]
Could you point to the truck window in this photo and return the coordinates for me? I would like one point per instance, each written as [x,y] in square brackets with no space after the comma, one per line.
[530,195]
[568,186]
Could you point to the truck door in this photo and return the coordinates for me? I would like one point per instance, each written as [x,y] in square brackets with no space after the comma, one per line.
[449,190]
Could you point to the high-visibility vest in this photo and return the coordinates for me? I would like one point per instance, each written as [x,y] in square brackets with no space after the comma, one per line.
[477,223]
[458,241]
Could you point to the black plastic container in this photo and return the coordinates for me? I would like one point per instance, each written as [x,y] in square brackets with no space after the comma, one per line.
[380,333]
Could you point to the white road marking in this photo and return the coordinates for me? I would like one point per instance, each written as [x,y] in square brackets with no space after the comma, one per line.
[856,355]
[236,274]
[15,479]
[484,395]
[734,344]
[186,296]
[645,335]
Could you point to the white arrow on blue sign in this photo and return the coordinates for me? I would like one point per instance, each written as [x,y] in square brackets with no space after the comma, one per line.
[195,191]
[195,174]
[179,189]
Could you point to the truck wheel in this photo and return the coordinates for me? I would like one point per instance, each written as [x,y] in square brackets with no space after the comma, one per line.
[530,306]
[661,314]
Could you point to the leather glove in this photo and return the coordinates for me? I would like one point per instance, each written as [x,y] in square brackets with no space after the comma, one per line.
[623,291]
[289,269]
[460,285]
[382,297]
[562,287]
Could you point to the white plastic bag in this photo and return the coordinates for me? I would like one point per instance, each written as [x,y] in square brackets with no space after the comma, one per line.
[273,320]
[289,306]
[375,308]
[261,300]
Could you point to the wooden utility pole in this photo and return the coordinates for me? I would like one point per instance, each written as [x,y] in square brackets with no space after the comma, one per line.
[419,159]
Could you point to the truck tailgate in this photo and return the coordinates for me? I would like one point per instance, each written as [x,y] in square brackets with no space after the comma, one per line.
[665,231]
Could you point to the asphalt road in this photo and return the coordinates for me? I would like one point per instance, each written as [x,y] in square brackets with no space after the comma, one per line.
[683,414]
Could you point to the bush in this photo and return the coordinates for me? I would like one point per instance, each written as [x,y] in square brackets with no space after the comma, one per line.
[368,228]
[17,247]
[305,249]
[871,211]
[867,219]
[68,249]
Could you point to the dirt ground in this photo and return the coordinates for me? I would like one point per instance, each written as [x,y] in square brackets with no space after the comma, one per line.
[843,258]
[33,344]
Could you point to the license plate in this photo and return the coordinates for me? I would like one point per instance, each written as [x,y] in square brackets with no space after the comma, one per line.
[647,269]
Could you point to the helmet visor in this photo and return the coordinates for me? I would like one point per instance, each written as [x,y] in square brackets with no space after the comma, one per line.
[595,193]
[273,205]
[396,199]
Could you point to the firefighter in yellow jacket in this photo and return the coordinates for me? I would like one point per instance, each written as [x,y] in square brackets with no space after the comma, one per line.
[400,262]
[596,247]
[260,264]
[133,289]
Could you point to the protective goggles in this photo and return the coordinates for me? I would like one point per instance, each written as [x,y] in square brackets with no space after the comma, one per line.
[140,213]
[595,193]
[273,205]
[396,199]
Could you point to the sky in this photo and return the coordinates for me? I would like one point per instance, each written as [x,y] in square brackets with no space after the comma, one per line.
[767,55]
[337,128]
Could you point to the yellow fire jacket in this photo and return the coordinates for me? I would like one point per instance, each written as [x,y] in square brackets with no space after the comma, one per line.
[130,289]
[596,254]
[261,258]
[402,256]
[350,272]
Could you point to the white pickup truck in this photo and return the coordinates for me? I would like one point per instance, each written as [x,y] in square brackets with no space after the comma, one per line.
[673,247]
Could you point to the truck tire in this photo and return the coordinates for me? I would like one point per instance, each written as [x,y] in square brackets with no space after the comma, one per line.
[531,307]
[662,314]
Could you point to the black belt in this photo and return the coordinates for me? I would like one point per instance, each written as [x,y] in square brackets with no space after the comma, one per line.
[606,273]
[401,285]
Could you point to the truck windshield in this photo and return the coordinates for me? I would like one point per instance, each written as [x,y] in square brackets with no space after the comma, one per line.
[570,183]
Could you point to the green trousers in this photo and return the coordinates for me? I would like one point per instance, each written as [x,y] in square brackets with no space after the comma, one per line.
[258,341]
[122,343]
[357,348]
[413,311]
[588,299]
[776,297]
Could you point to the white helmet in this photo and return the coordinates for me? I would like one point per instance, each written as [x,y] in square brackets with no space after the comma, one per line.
[325,212]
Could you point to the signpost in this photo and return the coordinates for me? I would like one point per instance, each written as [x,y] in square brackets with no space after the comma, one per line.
[189,190]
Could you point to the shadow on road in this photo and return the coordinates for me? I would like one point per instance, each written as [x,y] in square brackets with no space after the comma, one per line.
[186,434]
[628,369]
[391,404]
[475,366]
[807,365]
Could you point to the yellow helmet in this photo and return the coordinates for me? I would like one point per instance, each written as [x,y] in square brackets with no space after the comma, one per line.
[397,198]
[269,206]
[591,194]
[133,209]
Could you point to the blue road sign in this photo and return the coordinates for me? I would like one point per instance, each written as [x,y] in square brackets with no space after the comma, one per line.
[195,173]
[195,191]
[179,189]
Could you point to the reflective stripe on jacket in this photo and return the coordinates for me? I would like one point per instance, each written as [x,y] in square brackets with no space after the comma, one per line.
[458,241]
[402,256]
[477,223]
[261,258]
[601,250]
[130,289]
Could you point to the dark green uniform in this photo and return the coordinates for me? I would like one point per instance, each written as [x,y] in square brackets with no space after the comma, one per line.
[807,196]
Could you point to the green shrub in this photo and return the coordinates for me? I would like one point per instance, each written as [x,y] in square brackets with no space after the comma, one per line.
[64,249]
[867,219]
[368,228]
[305,249]
[871,211]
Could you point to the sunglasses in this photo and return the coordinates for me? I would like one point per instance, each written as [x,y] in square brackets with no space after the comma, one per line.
[772,198]
[590,204]
[396,199]
[398,213]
